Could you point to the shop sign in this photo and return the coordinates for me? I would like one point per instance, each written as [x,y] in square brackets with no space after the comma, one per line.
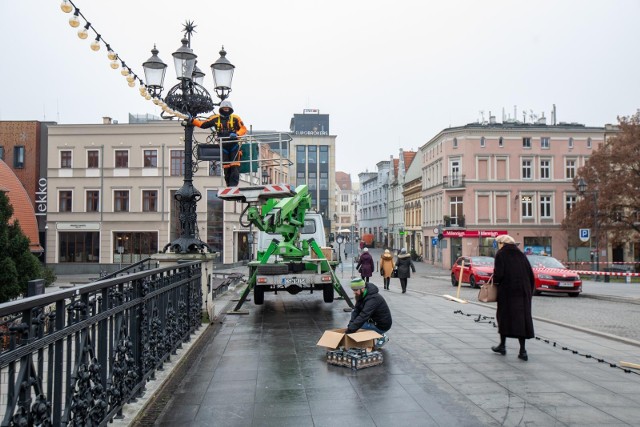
[473,233]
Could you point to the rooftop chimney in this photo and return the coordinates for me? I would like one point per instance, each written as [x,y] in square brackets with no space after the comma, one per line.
[106,120]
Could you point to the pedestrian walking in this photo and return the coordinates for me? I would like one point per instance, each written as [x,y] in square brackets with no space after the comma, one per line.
[365,265]
[386,267]
[513,276]
[403,264]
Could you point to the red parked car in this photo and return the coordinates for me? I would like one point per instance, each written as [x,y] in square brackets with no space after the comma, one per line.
[477,270]
[553,277]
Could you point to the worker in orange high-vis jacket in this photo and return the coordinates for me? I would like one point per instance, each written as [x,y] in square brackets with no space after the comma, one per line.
[229,127]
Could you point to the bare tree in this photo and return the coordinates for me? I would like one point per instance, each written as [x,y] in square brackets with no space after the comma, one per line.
[612,199]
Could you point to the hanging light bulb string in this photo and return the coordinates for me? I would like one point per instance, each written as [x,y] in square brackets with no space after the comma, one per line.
[479,318]
[68,6]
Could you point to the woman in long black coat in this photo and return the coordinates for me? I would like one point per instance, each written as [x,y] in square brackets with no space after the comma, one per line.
[403,264]
[513,276]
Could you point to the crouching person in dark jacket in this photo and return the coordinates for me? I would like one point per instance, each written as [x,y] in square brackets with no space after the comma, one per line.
[371,311]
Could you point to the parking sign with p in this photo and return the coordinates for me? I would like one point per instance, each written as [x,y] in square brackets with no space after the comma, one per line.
[585,234]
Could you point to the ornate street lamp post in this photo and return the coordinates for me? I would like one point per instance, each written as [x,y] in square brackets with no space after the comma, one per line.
[188,97]
[582,189]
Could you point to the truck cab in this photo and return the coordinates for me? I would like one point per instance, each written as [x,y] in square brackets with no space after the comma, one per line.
[313,228]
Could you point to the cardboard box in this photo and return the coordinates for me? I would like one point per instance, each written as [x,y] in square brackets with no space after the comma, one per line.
[335,338]
[327,252]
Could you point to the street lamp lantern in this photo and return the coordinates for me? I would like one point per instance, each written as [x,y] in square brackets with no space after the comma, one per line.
[198,75]
[222,71]
[184,60]
[154,71]
[582,186]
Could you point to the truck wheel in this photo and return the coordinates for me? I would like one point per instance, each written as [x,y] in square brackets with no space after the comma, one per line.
[273,269]
[327,292]
[258,295]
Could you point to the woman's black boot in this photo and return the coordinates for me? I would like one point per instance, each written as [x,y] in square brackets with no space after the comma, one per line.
[500,349]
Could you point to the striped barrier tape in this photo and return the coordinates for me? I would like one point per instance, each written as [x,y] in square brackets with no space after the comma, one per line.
[593,273]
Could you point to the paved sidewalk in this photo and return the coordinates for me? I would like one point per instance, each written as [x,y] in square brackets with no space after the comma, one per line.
[263,368]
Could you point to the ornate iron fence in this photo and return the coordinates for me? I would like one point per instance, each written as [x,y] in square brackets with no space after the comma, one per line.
[77,356]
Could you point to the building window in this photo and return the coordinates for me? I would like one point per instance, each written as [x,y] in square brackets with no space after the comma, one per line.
[526,142]
[121,201]
[1,152]
[501,142]
[345,197]
[150,158]
[313,155]
[545,207]
[455,142]
[177,163]
[544,142]
[18,157]
[483,142]
[65,159]
[456,210]
[526,205]
[93,200]
[149,201]
[589,142]
[526,169]
[65,199]
[570,201]
[324,154]
[93,159]
[545,169]
[570,142]
[122,159]
[76,246]
[570,169]
[130,247]
[215,223]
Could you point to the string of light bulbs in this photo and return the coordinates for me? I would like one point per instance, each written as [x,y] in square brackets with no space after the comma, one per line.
[68,6]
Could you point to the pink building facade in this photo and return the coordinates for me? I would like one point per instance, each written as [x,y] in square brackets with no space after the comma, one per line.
[482,180]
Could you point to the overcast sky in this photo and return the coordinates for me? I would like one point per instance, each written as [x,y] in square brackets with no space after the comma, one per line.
[391,74]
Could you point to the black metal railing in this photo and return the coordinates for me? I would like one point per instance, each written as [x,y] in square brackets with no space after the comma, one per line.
[76,357]
[142,265]
[453,181]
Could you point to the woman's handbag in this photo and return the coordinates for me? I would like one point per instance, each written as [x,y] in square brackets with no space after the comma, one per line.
[488,292]
[382,272]
[394,273]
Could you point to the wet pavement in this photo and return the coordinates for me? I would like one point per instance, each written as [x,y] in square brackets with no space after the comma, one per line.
[263,368]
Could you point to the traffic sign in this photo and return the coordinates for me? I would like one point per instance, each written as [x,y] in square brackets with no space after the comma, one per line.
[585,234]
[434,241]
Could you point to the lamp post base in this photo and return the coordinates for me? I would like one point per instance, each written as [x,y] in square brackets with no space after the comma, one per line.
[187,245]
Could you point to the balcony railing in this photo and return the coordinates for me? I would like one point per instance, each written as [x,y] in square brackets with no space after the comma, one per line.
[77,356]
[453,181]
